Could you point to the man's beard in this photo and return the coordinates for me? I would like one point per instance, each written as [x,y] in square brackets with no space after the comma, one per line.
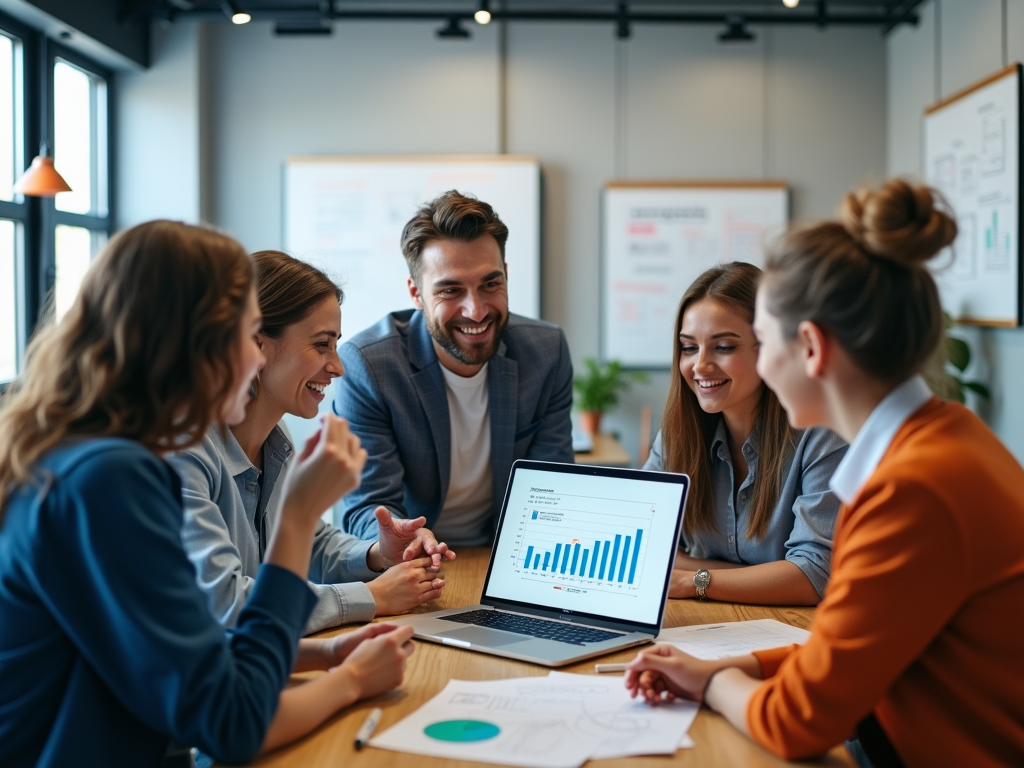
[475,354]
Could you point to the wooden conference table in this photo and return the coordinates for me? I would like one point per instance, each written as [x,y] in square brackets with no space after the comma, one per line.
[432,666]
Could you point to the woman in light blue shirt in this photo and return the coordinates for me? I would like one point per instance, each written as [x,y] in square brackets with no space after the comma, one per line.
[232,482]
[758,522]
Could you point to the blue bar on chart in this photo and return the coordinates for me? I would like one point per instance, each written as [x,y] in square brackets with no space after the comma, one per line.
[615,557]
[625,555]
[636,554]
[619,558]
[534,516]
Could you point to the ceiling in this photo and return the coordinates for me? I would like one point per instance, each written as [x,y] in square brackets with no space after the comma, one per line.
[883,14]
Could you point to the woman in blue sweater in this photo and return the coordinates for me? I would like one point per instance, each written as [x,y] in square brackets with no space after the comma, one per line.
[108,652]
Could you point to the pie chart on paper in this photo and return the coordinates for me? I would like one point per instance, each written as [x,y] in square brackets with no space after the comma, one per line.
[462,730]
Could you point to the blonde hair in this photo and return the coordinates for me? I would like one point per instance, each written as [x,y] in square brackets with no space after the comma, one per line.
[863,280]
[146,351]
[687,430]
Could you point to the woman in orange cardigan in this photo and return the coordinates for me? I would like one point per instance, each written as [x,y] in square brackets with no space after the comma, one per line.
[916,653]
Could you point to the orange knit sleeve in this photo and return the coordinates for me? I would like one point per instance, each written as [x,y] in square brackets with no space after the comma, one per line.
[772,659]
[894,586]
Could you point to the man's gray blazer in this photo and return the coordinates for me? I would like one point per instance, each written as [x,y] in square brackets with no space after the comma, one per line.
[393,395]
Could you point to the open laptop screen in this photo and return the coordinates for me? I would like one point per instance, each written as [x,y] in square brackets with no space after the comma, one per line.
[587,540]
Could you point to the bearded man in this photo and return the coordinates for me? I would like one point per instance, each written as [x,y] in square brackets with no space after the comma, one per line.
[444,397]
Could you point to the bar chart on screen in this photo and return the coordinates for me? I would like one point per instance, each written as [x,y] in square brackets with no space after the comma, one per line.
[578,541]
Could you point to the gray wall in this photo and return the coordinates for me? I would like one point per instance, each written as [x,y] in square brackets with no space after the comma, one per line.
[800,105]
[958,43]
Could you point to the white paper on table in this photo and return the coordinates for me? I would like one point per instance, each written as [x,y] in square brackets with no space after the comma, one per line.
[618,726]
[732,638]
[534,731]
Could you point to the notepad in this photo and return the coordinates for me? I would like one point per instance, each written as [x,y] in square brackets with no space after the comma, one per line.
[732,638]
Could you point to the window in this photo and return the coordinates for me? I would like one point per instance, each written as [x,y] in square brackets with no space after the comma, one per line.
[48,95]
[79,153]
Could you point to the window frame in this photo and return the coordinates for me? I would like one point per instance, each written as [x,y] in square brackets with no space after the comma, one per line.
[37,218]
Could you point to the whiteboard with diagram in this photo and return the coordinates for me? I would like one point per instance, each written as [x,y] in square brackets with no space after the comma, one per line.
[657,237]
[972,155]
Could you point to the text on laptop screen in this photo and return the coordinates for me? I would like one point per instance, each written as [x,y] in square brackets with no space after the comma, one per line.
[586,544]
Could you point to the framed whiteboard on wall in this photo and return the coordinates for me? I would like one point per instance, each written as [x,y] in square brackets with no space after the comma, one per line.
[657,237]
[972,155]
[346,214]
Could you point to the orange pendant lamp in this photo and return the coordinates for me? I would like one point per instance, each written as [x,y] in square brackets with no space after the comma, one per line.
[41,178]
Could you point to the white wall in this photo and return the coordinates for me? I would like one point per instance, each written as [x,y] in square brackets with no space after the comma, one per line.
[958,43]
[158,124]
[802,105]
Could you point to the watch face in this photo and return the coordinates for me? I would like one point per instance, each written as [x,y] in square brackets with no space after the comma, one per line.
[702,578]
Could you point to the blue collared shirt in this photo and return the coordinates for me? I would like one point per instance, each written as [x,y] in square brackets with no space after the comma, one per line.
[228,517]
[800,529]
[876,435]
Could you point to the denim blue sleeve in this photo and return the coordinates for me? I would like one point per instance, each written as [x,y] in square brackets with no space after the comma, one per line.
[654,460]
[112,569]
[815,508]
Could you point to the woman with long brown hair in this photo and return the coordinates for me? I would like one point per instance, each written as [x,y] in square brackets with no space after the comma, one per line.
[758,523]
[108,651]
[233,481]
[916,646]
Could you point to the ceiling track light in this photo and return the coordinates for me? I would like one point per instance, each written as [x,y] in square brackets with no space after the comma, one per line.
[453,30]
[791,3]
[483,16]
[623,29]
[234,13]
[736,30]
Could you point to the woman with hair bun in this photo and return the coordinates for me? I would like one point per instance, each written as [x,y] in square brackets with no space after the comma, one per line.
[916,646]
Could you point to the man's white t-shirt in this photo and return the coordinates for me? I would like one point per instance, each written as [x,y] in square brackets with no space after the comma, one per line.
[465,519]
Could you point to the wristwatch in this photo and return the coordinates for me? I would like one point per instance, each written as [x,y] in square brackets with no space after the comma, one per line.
[701,580]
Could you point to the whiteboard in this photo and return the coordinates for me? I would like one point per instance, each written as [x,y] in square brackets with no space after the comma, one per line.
[972,155]
[346,214]
[657,238]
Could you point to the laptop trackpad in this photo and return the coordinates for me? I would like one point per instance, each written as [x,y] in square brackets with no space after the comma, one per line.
[492,638]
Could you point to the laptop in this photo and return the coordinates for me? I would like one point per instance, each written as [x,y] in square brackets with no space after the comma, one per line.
[580,566]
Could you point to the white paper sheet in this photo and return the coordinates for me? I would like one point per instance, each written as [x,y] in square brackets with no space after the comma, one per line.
[733,638]
[559,721]
[530,731]
[618,726]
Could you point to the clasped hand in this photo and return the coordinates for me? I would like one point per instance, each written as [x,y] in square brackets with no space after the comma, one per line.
[405,540]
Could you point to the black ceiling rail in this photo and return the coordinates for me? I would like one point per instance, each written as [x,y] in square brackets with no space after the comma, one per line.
[819,15]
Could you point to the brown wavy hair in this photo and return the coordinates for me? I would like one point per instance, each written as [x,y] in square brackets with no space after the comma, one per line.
[146,352]
[451,216]
[687,430]
[863,280]
[289,289]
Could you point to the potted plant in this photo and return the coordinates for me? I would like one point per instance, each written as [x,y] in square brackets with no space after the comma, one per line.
[945,376]
[598,388]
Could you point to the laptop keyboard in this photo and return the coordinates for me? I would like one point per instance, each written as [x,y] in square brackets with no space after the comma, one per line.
[527,625]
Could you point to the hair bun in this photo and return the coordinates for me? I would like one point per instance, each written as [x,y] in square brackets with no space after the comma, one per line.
[900,221]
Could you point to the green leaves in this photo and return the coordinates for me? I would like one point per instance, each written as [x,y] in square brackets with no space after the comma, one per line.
[945,375]
[598,387]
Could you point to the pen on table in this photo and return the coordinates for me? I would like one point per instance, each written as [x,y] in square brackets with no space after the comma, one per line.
[368,727]
[609,667]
